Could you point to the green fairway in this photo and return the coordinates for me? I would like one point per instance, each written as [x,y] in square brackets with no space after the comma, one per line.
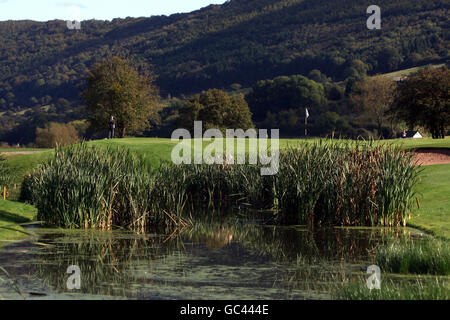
[157,150]
[154,150]
[407,72]
[421,143]
[404,143]
[12,214]
[434,194]
[21,164]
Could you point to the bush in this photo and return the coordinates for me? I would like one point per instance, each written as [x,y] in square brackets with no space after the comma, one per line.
[56,134]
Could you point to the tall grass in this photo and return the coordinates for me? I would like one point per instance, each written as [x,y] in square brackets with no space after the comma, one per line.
[345,184]
[317,183]
[211,186]
[429,256]
[84,187]
[5,173]
[417,289]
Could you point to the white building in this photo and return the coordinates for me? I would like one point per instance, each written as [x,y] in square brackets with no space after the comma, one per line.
[413,135]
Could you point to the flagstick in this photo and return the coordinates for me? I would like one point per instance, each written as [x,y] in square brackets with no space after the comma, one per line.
[306,129]
[306,121]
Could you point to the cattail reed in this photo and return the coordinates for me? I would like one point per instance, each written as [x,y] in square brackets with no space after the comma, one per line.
[319,183]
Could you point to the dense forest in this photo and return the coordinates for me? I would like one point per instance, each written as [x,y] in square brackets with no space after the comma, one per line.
[237,44]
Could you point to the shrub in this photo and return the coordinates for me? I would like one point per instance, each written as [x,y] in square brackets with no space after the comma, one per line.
[56,134]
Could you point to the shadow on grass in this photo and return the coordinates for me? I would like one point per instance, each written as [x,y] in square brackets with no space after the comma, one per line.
[12,218]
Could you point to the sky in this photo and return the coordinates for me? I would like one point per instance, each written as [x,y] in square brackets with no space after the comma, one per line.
[44,10]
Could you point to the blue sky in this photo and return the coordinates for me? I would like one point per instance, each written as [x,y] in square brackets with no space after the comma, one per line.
[44,10]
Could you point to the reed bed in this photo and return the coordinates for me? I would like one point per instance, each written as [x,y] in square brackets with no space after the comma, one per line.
[333,183]
[346,184]
[5,174]
[85,187]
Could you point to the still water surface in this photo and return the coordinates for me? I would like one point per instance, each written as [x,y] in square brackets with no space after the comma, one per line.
[208,261]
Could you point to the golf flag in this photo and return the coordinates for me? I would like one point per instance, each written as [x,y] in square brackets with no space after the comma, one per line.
[307,113]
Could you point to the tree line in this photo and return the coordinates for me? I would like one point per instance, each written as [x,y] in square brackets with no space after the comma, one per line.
[373,107]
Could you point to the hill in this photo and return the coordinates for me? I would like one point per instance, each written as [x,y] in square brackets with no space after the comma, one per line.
[241,41]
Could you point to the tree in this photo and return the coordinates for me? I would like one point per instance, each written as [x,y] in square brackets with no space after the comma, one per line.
[62,105]
[373,96]
[389,59]
[317,76]
[56,134]
[424,99]
[283,93]
[356,69]
[116,88]
[216,109]
[330,122]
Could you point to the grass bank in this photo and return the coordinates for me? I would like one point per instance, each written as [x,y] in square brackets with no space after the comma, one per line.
[19,166]
[433,190]
[12,215]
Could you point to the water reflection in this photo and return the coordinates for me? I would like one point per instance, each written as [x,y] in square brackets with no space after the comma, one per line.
[211,260]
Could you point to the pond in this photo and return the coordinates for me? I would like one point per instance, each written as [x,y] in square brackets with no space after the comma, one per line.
[210,260]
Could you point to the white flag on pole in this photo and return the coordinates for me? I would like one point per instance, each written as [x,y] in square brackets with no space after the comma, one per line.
[307,113]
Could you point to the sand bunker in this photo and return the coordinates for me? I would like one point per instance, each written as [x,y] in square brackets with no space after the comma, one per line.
[18,153]
[428,157]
